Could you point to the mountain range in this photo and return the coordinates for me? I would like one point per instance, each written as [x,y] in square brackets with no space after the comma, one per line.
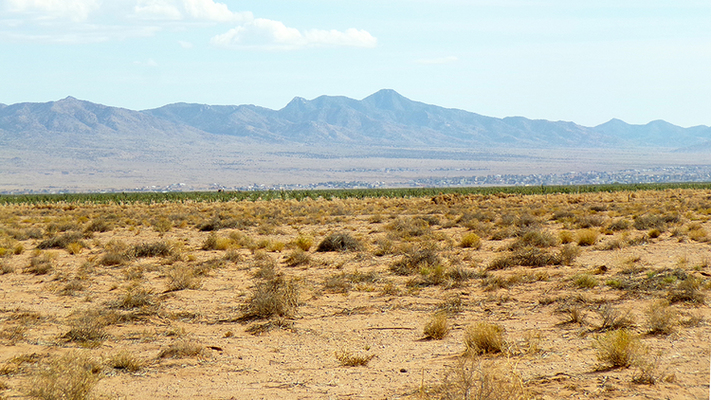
[383,119]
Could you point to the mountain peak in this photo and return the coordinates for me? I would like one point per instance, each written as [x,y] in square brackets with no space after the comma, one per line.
[388,99]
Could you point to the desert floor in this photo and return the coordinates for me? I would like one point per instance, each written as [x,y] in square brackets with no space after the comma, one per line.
[590,296]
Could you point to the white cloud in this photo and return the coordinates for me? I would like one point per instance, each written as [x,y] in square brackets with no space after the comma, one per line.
[84,21]
[76,10]
[185,45]
[211,11]
[157,9]
[435,61]
[274,35]
[201,10]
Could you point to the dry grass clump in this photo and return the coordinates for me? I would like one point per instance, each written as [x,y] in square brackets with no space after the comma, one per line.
[618,349]
[87,327]
[416,259]
[136,296]
[61,241]
[303,242]
[297,257]
[477,379]
[619,225]
[156,249]
[688,290]
[349,359]
[182,349]
[612,318]
[72,376]
[124,360]
[589,221]
[98,225]
[409,227]
[585,281]
[214,242]
[661,318]
[40,264]
[339,242]
[437,327]
[527,256]
[276,297]
[471,241]
[534,238]
[587,237]
[484,338]
[181,277]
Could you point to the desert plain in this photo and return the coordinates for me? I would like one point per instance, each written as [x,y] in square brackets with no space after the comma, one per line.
[502,296]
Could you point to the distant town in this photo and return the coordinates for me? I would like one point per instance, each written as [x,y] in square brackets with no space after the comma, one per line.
[700,173]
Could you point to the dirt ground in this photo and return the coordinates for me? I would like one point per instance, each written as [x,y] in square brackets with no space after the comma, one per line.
[281,299]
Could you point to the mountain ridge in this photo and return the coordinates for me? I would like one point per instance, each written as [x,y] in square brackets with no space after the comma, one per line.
[385,118]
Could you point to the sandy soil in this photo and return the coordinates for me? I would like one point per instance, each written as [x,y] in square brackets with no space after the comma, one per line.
[197,290]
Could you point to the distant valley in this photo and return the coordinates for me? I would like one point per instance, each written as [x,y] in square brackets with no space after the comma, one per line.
[384,139]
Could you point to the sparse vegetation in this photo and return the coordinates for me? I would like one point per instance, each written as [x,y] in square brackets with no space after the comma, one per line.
[72,376]
[349,359]
[484,338]
[339,242]
[426,275]
[618,349]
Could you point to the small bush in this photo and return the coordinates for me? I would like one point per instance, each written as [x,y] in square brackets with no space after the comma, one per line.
[265,265]
[587,237]
[339,242]
[276,297]
[566,237]
[618,349]
[348,359]
[304,242]
[75,248]
[182,349]
[437,327]
[61,241]
[535,239]
[585,281]
[471,240]
[111,258]
[484,338]
[619,225]
[97,225]
[298,257]
[136,296]
[612,318]
[646,222]
[476,379]
[527,256]
[568,254]
[157,249]
[125,361]
[87,327]
[688,290]
[409,227]
[213,242]
[72,376]
[661,318]
[424,257]
[182,277]
[40,265]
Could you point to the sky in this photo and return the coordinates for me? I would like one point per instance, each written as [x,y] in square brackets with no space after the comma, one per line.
[572,60]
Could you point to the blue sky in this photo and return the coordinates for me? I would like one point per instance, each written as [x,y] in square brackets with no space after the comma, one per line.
[574,60]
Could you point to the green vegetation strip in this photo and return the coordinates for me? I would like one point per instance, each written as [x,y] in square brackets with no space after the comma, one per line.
[156,197]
